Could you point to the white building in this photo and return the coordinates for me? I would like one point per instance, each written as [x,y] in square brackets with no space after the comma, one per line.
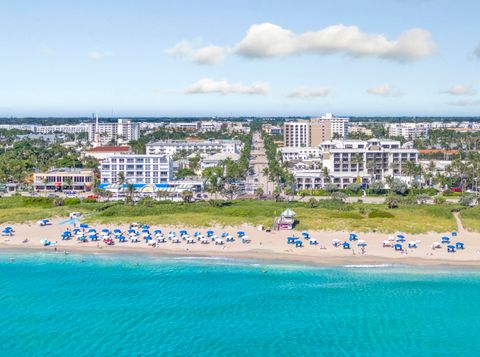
[338,126]
[171,147]
[137,169]
[297,134]
[300,153]
[72,129]
[121,132]
[350,161]
[409,131]
[216,159]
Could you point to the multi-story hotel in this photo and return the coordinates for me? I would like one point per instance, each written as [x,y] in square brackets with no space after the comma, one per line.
[409,131]
[121,132]
[137,169]
[307,133]
[171,147]
[63,179]
[350,161]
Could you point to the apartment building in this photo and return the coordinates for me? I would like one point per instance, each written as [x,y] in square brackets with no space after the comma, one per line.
[137,169]
[338,126]
[121,132]
[59,179]
[409,131]
[296,134]
[300,153]
[350,161]
[172,147]
[312,132]
[71,129]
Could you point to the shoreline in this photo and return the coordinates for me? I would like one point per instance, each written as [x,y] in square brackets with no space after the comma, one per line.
[263,246]
[255,255]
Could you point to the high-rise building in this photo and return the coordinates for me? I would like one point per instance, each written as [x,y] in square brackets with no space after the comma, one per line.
[121,132]
[306,133]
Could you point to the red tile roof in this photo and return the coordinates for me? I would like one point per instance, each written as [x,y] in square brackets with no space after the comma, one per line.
[110,149]
[436,151]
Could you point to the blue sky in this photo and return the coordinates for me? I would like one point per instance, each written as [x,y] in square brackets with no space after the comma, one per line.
[245,58]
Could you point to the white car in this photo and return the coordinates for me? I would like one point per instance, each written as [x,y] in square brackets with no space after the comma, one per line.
[75,214]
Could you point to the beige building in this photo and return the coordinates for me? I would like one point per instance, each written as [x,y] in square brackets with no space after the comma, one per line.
[64,179]
[307,133]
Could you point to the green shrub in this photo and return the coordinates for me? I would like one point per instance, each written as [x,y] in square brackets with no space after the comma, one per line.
[331,187]
[315,192]
[439,200]
[89,200]
[57,202]
[71,201]
[354,187]
[311,203]
[377,188]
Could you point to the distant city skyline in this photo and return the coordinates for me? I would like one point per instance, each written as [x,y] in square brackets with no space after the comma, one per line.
[252,58]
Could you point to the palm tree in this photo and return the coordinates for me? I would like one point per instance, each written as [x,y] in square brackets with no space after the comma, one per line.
[187,196]
[266,173]
[371,168]
[45,181]
[258,193]
[68,182]
[161,194]
[130,192]
[326,174]
[394,166]
[357,160]
[120,181]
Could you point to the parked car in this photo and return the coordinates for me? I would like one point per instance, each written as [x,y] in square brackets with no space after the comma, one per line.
[92,197]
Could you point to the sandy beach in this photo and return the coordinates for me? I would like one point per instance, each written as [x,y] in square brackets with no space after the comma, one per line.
[263,246]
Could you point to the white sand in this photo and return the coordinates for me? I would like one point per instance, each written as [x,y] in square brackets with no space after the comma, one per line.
[264,245]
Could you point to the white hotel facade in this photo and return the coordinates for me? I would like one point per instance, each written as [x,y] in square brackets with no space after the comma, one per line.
[137,169]
[350,161]
[172,147]
[121,132]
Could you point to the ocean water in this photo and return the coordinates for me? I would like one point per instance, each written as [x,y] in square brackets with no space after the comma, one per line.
[107,305]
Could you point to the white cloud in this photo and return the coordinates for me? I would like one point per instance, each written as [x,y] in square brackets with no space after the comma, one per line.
[270,40]
[384,90]
[466,102]
[99,55]
[476,52]
[303,92]
[207,55]
[207,85]
[459,89]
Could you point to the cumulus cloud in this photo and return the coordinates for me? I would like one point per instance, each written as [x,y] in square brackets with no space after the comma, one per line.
[207,85]
[384,90]
[270,40]
[207,55]
[459,89]
[303,92]
[466,102]
[99,55]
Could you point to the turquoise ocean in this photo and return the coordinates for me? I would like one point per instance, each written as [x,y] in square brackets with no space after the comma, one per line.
[119,305]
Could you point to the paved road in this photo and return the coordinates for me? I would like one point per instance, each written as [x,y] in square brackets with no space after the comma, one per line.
[258,163]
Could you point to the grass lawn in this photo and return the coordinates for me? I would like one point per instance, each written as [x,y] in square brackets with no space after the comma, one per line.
[327,216]
[25,209]
[471,218]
